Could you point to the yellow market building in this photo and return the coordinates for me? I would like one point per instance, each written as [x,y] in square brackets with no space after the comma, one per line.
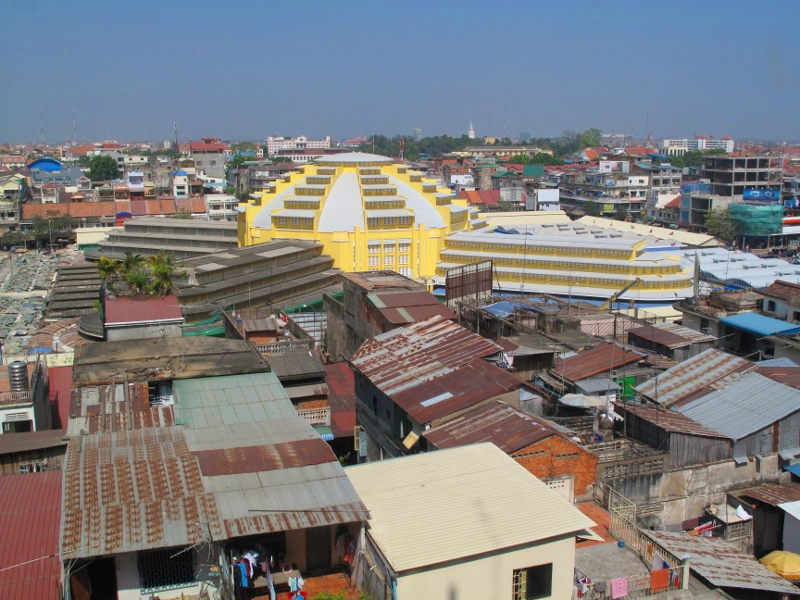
[368,212]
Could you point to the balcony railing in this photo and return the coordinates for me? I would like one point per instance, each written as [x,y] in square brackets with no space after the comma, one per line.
[8,398]
[316,416]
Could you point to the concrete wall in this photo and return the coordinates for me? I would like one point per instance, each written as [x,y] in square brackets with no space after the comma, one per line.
[686,492]
[138,332]
[490,576]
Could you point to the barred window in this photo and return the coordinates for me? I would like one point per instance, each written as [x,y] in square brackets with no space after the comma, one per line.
[533,582]
[164,569]
[373,261]
[404,259]
[388,260]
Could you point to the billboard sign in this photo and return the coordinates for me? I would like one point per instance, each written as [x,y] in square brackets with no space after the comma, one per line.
[469,280]
[762,195]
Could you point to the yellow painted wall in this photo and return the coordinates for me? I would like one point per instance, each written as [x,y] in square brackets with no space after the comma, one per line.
[350,249]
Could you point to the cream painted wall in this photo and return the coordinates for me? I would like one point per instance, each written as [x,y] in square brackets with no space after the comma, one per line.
[128,582]
[490,577]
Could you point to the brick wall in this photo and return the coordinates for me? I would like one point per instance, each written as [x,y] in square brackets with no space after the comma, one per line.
[556,456]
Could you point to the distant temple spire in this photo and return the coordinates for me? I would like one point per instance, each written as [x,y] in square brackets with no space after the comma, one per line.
[471,131]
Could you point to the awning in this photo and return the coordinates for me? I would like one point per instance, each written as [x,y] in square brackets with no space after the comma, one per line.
[324,432]
[789,453]
[583,401]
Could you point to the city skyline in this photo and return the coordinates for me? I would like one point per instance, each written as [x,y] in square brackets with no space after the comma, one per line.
[361,68]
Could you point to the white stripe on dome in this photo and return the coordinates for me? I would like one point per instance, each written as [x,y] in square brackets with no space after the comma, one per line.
[343,210]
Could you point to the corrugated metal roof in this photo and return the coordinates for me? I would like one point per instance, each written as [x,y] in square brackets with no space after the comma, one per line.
[506,427]
[773,494]
[670,335]
[31,440]
[455,390]
[668,420]
[604,357]
[149,488]
[450,504]
[786,375]
[791,508]
[408,356]
[744,406]
[721,564]
[30,513]
[126,309]
[759,324]
[297,364]
[691,375]
[59,385]
[341,398]
[207,402]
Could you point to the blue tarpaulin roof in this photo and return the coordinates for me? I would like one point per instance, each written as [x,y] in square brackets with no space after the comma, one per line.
[759,324]
[793,469]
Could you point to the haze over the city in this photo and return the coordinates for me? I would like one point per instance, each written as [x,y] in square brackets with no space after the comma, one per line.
[243,70]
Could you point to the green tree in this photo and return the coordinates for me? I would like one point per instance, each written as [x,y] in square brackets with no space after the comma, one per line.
[719,224]
[236,162]
[137,280]
[162,267]
[591,208]
[243,196]
[131,262]
[621,213]
[520,159]
[542,158]
[103,168]
[108,268]
[590,138]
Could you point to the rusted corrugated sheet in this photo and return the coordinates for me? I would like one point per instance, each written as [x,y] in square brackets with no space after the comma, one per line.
[772,494]
[269,457]
[604,357]
[405,357]
[455,390]
[691,375]
[721,564]
[506,427]
[133,490]
[669,420]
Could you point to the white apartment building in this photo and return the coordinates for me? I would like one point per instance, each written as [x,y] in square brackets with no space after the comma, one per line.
[278,144]
[678,147]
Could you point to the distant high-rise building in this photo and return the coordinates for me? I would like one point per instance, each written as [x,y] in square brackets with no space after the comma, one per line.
[524,136]
[700,142]
[417,134]
[278,144]
[471,131]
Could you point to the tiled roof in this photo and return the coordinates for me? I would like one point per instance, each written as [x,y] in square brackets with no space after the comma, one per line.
[147,309]
[482,197]
[784,290]
[30,513]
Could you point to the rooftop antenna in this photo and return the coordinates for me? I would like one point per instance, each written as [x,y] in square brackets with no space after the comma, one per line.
[41,124]
[402,148]
[74,128]
[177,147]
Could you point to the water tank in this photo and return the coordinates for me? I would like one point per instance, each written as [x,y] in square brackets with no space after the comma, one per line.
[18,376]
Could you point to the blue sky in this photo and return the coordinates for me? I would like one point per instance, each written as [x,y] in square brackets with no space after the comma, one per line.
[242,70]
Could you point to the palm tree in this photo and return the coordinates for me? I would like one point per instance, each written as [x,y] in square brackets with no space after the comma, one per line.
[108,268]
[131,262]
[162,266]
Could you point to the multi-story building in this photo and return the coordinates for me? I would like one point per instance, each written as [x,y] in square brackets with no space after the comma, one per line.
[613,186]
[699,143]
[279,144]
[221,207]
[665,187]
[209,156]
[369,213]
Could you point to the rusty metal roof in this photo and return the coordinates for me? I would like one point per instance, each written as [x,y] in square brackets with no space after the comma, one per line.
[603,357]
[692,375]
[135,489]
[669,420]
[506,427]
[459,388]
[670,335]
[772,494]
[721,564]
[406,357]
